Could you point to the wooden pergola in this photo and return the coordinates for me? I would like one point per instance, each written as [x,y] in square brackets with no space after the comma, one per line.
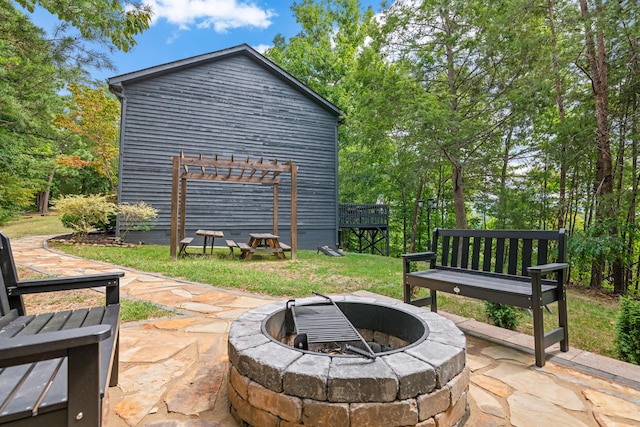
[232,171]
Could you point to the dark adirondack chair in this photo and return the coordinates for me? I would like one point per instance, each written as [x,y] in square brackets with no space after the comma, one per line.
[55,368]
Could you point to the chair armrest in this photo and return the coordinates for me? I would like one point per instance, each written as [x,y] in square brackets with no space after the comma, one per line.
[419,256]
[110,282]
[49,345]
[548,268]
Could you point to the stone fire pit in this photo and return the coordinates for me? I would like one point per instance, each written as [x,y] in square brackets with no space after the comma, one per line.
[419,380]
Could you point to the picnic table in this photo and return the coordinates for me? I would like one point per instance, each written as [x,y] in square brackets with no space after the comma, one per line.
[265,242]
[209,234]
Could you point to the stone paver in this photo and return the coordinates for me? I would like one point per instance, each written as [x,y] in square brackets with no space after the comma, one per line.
[173,372]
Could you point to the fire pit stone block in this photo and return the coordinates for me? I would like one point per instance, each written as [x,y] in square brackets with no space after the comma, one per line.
[447,360]
[260,365]
[361,380]
[398,413]
[307,376]
[416,376]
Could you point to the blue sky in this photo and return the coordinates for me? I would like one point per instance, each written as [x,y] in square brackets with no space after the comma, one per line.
[185,28]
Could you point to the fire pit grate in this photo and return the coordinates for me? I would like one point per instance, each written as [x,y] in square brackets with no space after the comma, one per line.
[324,322]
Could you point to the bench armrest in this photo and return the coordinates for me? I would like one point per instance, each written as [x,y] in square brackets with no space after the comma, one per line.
[419,256]
[548,268]
[110,282]
[49,345]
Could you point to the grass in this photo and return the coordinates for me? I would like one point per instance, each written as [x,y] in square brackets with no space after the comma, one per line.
[35,225]
[591,316]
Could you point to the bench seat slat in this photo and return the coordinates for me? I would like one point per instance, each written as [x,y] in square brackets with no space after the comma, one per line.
[29,393]
[505,291]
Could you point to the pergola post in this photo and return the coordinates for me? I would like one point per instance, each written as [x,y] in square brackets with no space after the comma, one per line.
[183,207]
[294,211]
[174,207]
[275,209]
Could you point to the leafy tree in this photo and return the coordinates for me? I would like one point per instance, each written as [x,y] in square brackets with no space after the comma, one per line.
[110,23]
[28,100]
[93,114]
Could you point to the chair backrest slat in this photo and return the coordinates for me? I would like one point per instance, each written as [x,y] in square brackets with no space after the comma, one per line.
[464,262]
[513,256]
[527,248]
[444,256]
[499,255]
[475,255]
[454,251]
[488,250]
[4,299]
[9,275]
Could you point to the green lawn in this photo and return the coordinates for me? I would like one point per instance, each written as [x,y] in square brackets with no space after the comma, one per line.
[591,317]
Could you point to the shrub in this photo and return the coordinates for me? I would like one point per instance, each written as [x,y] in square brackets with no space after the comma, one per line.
[138,217]
[83,214]
[627,340]
[502,315]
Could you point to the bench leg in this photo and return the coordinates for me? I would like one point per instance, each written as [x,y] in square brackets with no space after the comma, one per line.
[562,320]
[84,403]
[434,300]
[538,319]
[538,334]
[113,380]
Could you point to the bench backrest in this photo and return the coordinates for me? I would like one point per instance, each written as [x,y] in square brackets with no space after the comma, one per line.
[498,251]
[9,276]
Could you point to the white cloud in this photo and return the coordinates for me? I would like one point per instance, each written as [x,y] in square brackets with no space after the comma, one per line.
[262,48]
[221,15]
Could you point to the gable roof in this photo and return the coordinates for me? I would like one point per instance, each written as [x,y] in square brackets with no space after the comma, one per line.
[116,83]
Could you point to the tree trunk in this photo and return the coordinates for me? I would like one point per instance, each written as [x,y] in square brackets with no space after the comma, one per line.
[43,200]
[562,191]
[414,217]
[457,169]
[598,70]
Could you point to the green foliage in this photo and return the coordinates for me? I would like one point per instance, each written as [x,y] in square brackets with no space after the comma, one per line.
[107,22]
[627,340]
[137,217]
[503,315]
[596,243]
[83,214]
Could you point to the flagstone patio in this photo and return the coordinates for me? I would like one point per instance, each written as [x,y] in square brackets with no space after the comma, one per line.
[173,372]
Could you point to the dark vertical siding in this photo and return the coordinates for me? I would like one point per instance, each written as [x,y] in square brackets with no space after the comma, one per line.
[230,106]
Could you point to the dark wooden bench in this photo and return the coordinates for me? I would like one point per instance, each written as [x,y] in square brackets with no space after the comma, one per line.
[55,368]
[521,268]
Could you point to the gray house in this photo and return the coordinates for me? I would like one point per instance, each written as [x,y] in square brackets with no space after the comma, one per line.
[232,102]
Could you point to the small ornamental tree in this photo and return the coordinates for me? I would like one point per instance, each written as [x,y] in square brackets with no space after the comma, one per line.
[137,217]
[84,214]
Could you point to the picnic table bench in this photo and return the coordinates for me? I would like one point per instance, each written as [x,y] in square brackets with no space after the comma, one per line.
[184,243]
[55,368]
[472,263]
[265,242]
